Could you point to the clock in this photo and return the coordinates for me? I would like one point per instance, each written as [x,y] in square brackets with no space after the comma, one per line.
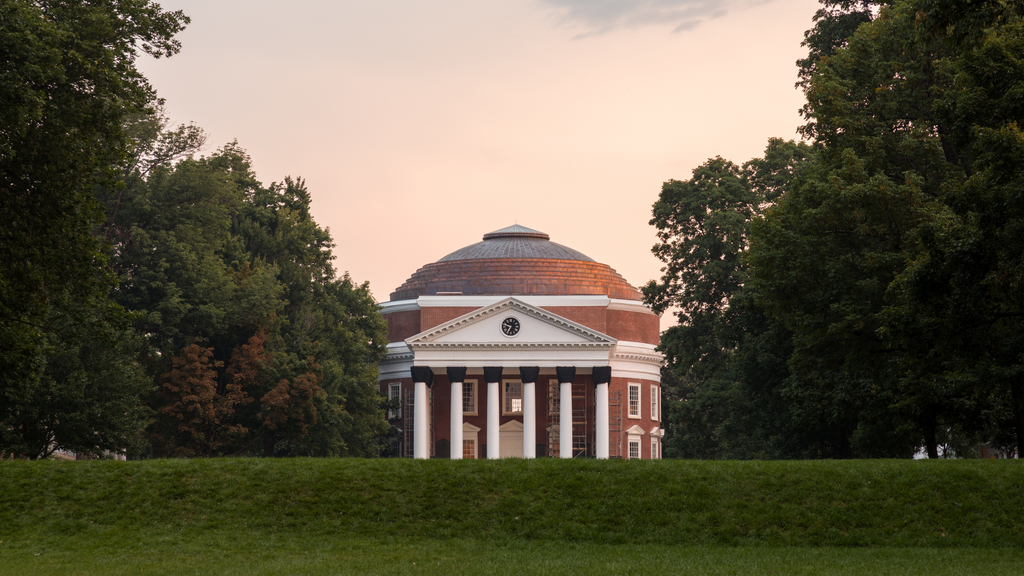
[510,326]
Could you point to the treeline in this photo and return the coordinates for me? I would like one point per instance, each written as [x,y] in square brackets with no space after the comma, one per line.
[861,295]
[153,300]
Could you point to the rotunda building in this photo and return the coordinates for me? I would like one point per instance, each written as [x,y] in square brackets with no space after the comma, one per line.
[520,347]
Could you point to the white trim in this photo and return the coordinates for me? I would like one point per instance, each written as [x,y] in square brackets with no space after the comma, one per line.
[458,301]
[633,435]
[399,306]
[470,432]
[639,401]
[476,397]
[509,306]
[441,346]
[394,414]
[396,363]
[655,404]
[629,306]
[636,360]
[504,388]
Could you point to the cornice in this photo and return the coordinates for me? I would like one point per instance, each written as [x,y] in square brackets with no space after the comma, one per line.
[501,346]
[507,305]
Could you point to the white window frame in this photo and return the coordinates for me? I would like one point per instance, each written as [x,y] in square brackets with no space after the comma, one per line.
[634,436]
[655,402]
[473,396]
[655,445]
[631,444]
[505,411]
[633,410]
[395,391]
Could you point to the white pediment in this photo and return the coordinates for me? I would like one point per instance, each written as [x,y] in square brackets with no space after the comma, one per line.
[535,327]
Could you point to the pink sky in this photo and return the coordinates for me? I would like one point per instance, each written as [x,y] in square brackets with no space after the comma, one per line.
[421,125]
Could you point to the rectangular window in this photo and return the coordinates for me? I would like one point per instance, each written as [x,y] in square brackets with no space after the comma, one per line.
[654,403]
[654,449]
[634,449]
[513,401]
[634,400]
[469,397]
[469,449]
[395,393]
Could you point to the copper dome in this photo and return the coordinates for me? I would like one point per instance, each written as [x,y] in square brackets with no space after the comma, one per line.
[516,261]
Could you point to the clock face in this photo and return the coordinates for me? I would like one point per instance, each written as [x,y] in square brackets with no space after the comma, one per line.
[510,326]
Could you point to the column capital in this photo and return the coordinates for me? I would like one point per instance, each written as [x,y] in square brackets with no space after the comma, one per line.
[566,374]
[602,375]
[456,373]
[492,373]
[423,374]
[528,374]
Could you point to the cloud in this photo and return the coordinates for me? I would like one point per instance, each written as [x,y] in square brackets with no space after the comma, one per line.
[602,16]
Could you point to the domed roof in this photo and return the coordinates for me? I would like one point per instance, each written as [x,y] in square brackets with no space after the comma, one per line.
[516,242]
[516,261]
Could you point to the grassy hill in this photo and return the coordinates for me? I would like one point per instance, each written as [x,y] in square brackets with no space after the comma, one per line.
[929,504]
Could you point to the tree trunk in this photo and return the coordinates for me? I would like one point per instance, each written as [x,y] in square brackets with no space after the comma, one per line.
[1017,390]
[269,439]
[929,438]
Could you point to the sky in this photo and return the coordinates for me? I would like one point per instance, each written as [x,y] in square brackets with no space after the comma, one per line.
[418,126]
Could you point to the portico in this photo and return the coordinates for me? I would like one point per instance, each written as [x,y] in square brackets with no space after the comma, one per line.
[519,347]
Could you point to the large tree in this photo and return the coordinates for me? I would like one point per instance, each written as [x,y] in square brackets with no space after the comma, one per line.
[726,360]
[257,345]
[892,260]
[67,85]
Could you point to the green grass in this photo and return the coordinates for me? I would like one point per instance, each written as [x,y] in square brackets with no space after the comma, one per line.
[542,516]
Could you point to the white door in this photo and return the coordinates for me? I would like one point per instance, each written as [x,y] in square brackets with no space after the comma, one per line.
[511,434]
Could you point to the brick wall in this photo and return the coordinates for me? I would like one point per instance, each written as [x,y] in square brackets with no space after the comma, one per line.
[593,317]
[634,326]
[401,325]
[433,316]
[645,421]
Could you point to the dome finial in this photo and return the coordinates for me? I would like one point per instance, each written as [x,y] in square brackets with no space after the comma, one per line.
[516,231]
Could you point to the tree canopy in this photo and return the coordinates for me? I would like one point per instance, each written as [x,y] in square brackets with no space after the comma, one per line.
[68,378]
[153,300]
[890,266]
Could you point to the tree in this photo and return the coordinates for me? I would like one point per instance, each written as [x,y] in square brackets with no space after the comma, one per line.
[68,82]
[713,408]
[210,257]
[887,261]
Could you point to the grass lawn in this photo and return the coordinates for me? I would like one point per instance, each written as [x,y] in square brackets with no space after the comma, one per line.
[329,516]
[279,554]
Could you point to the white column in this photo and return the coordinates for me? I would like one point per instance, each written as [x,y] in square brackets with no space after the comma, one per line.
[421,444]
[601,428]
[529,420]
[456,421]
[493,427]
[565,420]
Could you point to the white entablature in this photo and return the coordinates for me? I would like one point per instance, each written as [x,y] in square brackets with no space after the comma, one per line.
[544,339]
[540,339]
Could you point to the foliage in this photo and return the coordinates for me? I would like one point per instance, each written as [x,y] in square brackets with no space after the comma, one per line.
[68,83]
[722,381]
[892,260]
[211,259]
